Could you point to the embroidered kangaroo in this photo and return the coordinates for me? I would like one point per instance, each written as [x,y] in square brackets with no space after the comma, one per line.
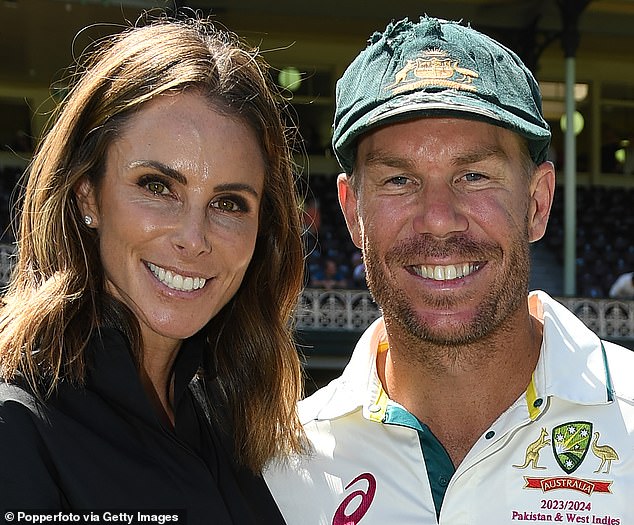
[532,451]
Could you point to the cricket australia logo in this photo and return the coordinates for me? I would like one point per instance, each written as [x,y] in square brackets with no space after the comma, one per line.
[571,442]
[434,68]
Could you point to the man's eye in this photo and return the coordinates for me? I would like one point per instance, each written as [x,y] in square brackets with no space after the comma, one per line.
[473,177]
[398,181]
[158,188]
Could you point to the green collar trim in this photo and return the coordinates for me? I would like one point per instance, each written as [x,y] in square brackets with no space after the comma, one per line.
[440,469]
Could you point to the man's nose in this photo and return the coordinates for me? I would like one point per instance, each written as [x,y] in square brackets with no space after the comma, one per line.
[439,211]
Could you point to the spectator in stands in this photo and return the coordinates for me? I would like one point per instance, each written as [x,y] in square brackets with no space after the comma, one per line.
[160,261]
[328,277]
[623,287]
[358,271]
[469,397]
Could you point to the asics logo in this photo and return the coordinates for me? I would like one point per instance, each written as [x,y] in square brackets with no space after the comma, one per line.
[359,501]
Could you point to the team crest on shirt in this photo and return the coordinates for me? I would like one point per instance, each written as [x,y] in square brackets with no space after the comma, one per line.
[570,444]
[434,68]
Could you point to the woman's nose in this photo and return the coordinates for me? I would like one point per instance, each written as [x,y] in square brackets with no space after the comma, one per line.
[192,236]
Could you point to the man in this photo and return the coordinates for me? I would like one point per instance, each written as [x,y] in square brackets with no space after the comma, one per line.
[467,402]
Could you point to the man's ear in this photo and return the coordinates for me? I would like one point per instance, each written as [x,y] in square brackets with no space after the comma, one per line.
[87,201]
[542,190]
[348,203]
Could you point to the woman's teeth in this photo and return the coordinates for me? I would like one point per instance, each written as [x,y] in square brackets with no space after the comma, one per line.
[176,281]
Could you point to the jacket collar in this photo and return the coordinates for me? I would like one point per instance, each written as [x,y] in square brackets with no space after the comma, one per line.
[113,374]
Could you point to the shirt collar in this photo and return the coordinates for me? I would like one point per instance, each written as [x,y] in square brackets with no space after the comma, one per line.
[572,363]
[571,366]
[358,386]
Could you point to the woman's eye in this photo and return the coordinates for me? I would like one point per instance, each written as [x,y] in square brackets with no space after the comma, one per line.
[226,205]
[157,188]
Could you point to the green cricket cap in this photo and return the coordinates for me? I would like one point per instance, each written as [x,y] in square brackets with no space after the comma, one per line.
[436,68]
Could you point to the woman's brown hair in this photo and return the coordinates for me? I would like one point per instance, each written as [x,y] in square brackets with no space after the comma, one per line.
[56,298]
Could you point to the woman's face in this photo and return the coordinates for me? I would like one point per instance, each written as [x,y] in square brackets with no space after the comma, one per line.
[177,214]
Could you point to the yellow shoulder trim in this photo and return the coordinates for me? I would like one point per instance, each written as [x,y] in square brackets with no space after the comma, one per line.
[377,411]
[531,397]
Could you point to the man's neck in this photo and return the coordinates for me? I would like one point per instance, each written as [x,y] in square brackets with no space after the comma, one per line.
[458,392]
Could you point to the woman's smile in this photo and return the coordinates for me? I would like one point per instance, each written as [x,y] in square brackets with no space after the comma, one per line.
[175,280]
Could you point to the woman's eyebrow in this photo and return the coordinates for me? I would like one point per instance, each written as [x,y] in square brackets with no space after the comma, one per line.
[237,186]
[180,178]
[163,168]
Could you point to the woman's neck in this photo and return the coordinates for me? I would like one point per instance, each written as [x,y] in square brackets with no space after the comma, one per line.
[157,378]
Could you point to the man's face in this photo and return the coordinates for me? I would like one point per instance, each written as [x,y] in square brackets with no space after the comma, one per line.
[444,212]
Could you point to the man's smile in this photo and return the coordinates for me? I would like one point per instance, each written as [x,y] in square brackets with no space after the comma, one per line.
[445,272]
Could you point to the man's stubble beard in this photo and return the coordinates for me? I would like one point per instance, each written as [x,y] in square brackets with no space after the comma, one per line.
[493,312]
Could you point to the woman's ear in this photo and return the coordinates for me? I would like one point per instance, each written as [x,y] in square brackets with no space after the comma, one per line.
[87,202]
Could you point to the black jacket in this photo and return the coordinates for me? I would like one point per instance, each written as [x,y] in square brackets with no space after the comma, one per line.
[103,447]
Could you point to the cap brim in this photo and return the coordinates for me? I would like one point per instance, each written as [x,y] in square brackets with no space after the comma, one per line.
[449,104]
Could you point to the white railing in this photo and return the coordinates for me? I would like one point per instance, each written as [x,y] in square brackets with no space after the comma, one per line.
[609,318]
[335,310]
[355,310]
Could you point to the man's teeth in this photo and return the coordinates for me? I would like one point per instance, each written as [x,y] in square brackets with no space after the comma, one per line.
[176,281]
[445,273]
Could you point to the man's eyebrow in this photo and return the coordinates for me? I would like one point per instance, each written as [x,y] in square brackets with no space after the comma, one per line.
[385,158]
[159,166]
[480,154]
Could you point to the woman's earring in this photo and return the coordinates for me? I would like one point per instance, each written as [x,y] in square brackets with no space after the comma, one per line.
[88,220]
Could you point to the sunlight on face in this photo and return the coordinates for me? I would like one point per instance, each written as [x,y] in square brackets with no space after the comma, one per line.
[177,214]
[441,215]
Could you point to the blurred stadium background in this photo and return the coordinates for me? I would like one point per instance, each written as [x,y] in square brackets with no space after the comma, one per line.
[309,44]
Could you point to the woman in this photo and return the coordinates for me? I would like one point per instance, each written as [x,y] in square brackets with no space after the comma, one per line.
[159,242]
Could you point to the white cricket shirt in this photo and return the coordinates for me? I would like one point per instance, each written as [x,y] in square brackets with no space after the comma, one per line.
[562,453]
